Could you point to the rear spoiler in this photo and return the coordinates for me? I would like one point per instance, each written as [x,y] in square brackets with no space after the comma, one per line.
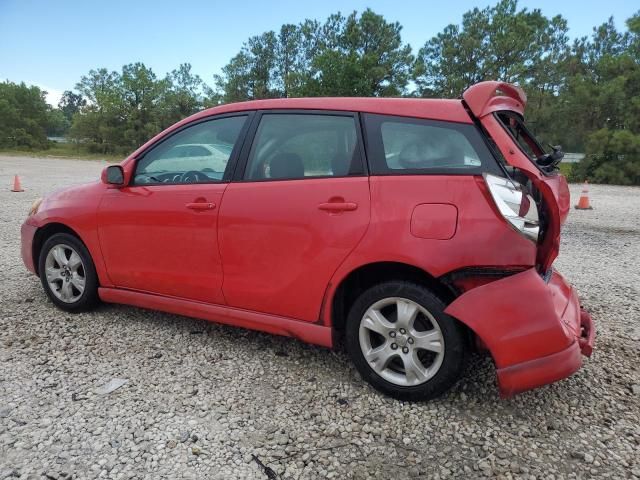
[487,97]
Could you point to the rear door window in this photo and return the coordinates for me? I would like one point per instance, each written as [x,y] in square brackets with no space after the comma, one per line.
[401,145]
[299,145]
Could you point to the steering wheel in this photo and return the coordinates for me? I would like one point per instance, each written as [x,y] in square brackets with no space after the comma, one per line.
[193,176]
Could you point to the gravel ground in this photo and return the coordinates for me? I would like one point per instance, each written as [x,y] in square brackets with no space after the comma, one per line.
[208,401]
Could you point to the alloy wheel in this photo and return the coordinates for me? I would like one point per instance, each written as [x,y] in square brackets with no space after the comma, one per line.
[401,341]
[65,273]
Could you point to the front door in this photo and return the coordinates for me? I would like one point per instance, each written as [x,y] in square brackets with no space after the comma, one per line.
[159,233]
[301,207]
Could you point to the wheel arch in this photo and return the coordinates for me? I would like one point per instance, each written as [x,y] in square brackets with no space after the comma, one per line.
[46,231]
[367,275]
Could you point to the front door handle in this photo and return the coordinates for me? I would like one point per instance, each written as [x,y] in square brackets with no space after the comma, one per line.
[200,206]
[338,206]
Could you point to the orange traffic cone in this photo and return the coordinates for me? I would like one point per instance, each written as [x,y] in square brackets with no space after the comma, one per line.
[583,203]
[16,184]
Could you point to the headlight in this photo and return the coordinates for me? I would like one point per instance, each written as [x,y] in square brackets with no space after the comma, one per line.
[35,206]
[515,205]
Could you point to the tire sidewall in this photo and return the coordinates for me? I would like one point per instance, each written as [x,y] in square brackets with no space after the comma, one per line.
[454,354]
[90,295]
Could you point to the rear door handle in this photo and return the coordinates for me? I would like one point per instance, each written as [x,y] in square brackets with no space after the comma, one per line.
[338,206]
[201,206]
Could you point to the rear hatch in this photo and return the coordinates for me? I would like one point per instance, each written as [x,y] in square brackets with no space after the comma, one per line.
[498,108]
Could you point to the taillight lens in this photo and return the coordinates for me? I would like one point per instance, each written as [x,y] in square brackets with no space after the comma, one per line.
[515,205]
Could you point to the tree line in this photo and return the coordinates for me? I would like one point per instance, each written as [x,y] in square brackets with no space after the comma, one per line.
[583,94]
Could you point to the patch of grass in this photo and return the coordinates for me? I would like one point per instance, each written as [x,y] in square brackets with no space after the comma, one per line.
[64,150]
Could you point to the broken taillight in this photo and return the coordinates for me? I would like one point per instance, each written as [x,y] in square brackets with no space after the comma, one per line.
[517,207]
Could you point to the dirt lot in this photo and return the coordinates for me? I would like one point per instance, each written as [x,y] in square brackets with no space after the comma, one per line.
[206,401]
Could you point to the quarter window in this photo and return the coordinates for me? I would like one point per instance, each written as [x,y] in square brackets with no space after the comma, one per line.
[400,145]
[289,146]
[198,154]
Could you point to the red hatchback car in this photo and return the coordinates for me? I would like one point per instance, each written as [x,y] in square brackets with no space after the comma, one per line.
[416,230]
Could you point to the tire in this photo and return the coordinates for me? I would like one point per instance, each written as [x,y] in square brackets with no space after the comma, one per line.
[432,345]
[68,274]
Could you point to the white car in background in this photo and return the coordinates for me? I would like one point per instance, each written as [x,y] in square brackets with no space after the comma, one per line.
[210,159]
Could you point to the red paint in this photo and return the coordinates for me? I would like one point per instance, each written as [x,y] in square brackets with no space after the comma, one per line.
[553,187]
[316,334]
[270,255]
[523,321]
[389,237]
[76,208]
[153,240]
[434,221]
[280,246]
[519,317]
[539,371]
[487,97]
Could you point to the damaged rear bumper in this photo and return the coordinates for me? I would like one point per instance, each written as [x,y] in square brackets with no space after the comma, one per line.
[534,329]
[551,368]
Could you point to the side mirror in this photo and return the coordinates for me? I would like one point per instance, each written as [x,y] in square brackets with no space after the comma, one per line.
[113,175]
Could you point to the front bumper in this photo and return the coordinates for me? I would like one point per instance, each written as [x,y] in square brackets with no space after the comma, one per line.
[534,329]
[27,234]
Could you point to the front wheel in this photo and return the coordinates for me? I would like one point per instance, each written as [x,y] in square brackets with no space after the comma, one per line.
[67,273]
[403,343]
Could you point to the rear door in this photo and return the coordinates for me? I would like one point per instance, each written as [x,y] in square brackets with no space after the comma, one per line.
[299,206]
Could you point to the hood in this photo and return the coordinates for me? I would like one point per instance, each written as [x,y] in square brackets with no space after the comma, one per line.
[72,193]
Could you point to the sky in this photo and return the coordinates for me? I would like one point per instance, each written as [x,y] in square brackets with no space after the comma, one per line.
[52,44]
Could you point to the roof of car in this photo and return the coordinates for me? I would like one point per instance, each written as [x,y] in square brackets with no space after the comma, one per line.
[437,109]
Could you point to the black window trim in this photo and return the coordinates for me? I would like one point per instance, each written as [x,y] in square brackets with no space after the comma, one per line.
[489,164]
[233,158]
[243,159]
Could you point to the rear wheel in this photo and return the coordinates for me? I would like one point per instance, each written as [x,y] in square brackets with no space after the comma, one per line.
[67,273]
[403,343]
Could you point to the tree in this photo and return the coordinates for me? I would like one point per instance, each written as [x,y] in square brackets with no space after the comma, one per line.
[613,157]
[364,56]
[355,55]
[289,62]
[70,103]
[98,122]
[603,89]
[123,109]
[610,87]
[57,123]
[233,83]
[24,116]
[499,42]
[184,95]
[251,74]
[141,96]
